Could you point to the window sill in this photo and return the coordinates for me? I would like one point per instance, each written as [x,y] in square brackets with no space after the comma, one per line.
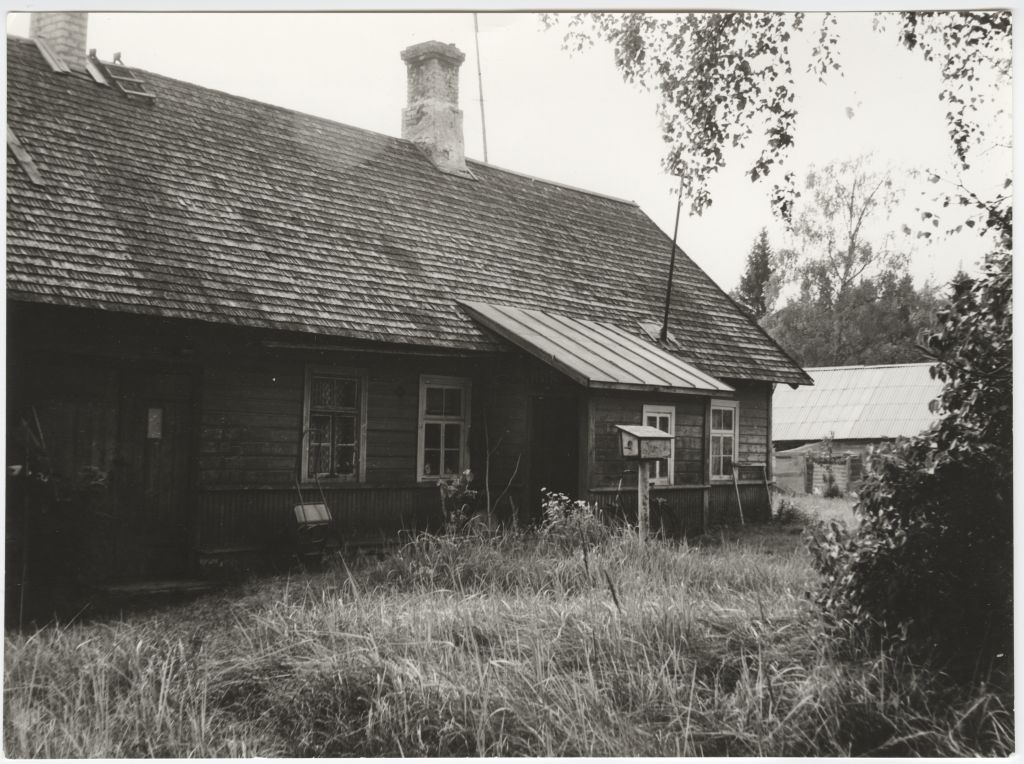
[331,481]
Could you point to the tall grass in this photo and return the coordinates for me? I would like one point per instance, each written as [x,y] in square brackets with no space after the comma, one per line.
[509,645]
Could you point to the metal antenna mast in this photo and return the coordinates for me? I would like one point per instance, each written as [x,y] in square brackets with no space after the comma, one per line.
[672,263]
[480,82]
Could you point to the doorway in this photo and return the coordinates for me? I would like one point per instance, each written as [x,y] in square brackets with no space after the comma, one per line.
[152,474]
[554,449]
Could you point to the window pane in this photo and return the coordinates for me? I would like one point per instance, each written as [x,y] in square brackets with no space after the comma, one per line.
[320,429]
[320,392]
[451,462]
[451,436]
[431,435]
[431,461]
[345,460]
[318,460]
[344,430]
[661,468]
[727,446]
[663,424]
[652,420]
[727,465]
[435,400]
[452,402]
[727,419]
[345,393]
[716,419]
[716,445]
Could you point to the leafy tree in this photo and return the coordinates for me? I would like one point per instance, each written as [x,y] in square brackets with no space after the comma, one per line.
[725,80]
[756,291]
[879,321]
[930,565]
[856,302]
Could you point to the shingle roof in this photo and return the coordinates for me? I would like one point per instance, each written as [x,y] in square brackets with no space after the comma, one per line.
[214,207]
[856,402]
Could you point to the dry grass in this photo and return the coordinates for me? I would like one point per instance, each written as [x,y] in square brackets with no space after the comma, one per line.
[513,645]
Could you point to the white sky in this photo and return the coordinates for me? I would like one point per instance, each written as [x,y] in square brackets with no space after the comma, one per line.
[567,118]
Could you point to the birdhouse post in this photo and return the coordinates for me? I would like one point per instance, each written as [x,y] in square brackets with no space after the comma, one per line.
[643,445]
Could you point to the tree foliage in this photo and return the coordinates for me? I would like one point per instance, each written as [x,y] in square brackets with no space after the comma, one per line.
[880,320]
[974,48]
[722,78]
[930,566]
[835,247]
[856,302]
[757,289]
[725,80]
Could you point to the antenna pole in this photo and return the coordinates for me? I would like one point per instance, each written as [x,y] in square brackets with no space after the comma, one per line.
[672,263]
[480,83]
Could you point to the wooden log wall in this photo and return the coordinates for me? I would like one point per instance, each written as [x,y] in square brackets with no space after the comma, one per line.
[607,467]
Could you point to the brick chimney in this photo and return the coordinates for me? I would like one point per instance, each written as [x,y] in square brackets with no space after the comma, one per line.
[64,33]
[432,119]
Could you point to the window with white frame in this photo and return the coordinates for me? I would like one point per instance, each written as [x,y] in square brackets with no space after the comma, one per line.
[333,441]
[664,419]
[724,422]
[444,426]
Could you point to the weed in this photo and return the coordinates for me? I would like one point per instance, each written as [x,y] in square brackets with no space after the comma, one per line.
[511,644]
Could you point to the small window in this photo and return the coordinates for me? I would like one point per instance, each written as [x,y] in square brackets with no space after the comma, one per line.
[333,428]
[664,419]
[443,429]
[724,423]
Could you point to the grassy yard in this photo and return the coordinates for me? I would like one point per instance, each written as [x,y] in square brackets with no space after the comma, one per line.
[514,645]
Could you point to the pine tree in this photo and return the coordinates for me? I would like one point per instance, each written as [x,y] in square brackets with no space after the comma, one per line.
[753,292]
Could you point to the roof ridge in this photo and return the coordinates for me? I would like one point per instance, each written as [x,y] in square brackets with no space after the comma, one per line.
[569,186]
[348,126]
[729,297]
[869,366]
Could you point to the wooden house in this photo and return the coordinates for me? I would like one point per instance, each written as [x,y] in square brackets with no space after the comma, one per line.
[211,299]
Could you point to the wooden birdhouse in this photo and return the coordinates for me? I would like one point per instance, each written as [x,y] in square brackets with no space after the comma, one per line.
[644,443]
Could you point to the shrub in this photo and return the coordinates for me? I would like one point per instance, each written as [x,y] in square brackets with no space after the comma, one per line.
[788,512]
[930,565]
[572,521]
[458,501]
[832,489]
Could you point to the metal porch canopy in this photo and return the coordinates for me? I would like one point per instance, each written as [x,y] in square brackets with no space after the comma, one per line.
[594,354]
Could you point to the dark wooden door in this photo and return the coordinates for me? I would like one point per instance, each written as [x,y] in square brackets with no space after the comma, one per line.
[152,474]
[554,449]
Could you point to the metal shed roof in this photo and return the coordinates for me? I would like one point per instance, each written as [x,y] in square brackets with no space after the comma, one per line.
[594,353]
[856,402]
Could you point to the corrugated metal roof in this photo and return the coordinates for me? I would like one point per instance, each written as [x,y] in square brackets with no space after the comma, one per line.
[856,402]
[593,353]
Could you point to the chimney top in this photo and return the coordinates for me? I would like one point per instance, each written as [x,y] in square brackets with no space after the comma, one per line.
[421,51]
[432,119]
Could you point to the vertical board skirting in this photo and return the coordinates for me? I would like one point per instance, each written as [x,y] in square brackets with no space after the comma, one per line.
[675,511]
[722,503]
[264,518]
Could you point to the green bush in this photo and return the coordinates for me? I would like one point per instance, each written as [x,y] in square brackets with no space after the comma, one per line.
[930,566]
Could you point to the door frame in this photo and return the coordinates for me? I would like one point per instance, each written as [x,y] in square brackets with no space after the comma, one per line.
[577,401]
[193,372]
